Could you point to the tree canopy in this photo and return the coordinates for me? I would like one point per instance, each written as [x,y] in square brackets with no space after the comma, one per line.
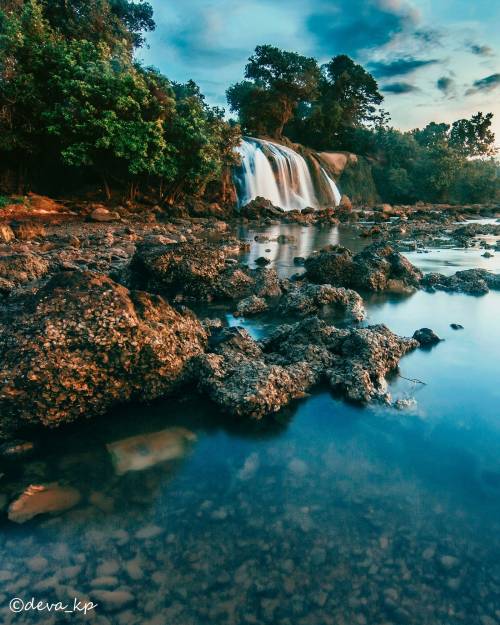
[276,83]
[72,96]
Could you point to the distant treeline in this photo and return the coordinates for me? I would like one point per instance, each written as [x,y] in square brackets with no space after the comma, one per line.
[338,107]
[76,108]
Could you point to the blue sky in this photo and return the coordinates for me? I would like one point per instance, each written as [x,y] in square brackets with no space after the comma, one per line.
[435,60]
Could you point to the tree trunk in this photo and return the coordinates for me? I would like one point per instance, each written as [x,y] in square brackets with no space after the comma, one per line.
[107,190]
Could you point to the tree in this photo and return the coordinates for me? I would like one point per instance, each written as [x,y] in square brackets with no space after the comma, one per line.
[108,21]
[354,89]
[473,137]
[432,135]
[348,99]
[277,82]
[84,108]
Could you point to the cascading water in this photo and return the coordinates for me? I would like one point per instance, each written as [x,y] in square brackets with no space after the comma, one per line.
[279,174]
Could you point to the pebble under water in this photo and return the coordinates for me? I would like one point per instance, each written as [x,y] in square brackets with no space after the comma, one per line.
[327,513]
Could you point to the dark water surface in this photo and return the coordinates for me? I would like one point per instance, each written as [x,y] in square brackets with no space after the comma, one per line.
[326,514]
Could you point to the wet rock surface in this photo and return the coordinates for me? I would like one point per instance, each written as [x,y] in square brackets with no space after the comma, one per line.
[84,343]
[377,268]
[426,337]
[470,281]
[251,379]
[306,299]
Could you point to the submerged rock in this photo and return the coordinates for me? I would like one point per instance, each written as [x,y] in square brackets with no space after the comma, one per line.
[306,299]
[84,343]
[143,451]
[377,268]
[42,499]
[470,281]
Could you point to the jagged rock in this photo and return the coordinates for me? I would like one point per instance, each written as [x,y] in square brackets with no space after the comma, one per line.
[305,299]
[331,265]
[236,377]
[354,361]
[249,306]
[471,281]
[22,267]
[251,379]
[260,207]
[377,268]
[84,343]
[426,337]
[189,269]
[42,499]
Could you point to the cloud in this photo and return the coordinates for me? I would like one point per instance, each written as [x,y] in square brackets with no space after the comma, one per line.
[429,36]
[446,85]
[400,88]
[488,83]
[351,26]
[479,50]
[399,67]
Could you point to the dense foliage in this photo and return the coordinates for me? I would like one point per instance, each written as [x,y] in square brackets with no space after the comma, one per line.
[338,107]
[73,99]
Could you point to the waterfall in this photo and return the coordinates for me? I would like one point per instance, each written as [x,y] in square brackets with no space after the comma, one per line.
[279,174]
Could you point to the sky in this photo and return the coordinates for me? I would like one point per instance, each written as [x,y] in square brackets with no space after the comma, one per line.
[435,60]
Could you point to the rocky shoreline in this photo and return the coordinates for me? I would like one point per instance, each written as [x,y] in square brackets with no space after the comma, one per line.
[93,312]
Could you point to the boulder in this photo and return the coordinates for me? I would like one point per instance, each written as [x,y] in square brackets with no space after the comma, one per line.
[249,306]
[426,337]
[306,299]
[331,265]
[236,377]
[470,281]
[377,268]
[353,361]
[102,214]
[22,267]
[259,208]
[84,343]
[186,269]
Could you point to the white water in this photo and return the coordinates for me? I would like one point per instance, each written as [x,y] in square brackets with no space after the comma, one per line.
[279,174]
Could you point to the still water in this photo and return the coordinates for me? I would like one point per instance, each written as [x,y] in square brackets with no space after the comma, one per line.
[326,514]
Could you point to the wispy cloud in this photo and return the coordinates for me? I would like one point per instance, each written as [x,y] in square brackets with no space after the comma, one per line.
[399,66]
[479,49]
[399,88]
[488,83]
